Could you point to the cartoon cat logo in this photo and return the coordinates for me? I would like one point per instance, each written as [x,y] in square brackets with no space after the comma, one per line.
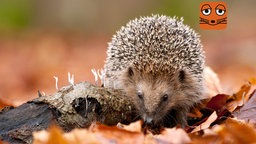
[213,15]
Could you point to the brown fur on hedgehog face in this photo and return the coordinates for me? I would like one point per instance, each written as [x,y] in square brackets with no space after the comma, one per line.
[155,95]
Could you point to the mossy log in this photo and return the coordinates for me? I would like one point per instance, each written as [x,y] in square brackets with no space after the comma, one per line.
[73,106]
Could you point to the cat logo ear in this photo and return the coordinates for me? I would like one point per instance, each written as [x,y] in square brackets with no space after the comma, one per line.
[213,15]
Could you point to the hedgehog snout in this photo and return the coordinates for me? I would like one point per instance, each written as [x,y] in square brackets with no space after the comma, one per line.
[148,120]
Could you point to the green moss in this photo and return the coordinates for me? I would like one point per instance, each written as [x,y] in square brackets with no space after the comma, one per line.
[15,14]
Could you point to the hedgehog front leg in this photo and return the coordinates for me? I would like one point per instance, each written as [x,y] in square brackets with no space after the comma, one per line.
[175,117]
[181,117]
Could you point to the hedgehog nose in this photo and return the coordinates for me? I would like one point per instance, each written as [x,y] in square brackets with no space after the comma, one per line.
[148,121]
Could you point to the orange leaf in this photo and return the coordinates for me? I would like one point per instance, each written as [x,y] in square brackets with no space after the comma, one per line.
[53,136]
[83,136]
[133,127]
[117,135]
[237,132]
[173,135]
[252,81]
[206,139]
[4,104]
[239,98]
[212,83]
[195,113]
[248,111]
[56,136]
[218,102]
[207,123]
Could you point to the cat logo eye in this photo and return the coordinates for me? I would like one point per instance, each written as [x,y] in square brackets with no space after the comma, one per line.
[220,10]
[206,9]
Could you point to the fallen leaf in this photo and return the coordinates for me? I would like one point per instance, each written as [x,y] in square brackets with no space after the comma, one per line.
[118,135]
[83,136]
[56,136]
[207,123]
[173,135]
[232,131]
[252,81]
[98,134]
[4,104]
[237,132]
[206,139]
[248,111]
[195,113]
[212,83]
[239,98]
[133,127]
[53,136]
[218,103]
[150,139]
[40,137]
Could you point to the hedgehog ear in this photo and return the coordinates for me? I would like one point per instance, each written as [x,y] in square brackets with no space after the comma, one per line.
[130,71]
[182,76]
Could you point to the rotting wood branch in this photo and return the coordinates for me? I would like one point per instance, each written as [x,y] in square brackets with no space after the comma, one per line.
[73,106]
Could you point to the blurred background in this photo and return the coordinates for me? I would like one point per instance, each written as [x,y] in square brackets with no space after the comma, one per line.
[40,39]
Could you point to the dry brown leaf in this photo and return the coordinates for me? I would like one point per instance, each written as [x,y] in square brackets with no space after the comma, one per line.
[150,139]
[133,127]
[118,135]
[252,81]
[248,111]
[83,136]
[173,135]
[212,83]
[240,98]
[232,131]
[195,113]
[237,132]
[208,139]
[77,136]
[4,104]
[54,136]
[207,123]
[40,137]
[218,103]
[99,134]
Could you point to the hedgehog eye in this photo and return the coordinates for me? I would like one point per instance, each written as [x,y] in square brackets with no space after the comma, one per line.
[140,95]
[165,97]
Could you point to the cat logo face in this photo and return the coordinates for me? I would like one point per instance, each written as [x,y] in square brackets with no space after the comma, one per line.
[213,15]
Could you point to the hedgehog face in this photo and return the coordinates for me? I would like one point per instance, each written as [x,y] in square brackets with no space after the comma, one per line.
[153,99]
[157,96]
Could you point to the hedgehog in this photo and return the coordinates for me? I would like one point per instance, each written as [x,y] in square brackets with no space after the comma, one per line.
[158,61]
